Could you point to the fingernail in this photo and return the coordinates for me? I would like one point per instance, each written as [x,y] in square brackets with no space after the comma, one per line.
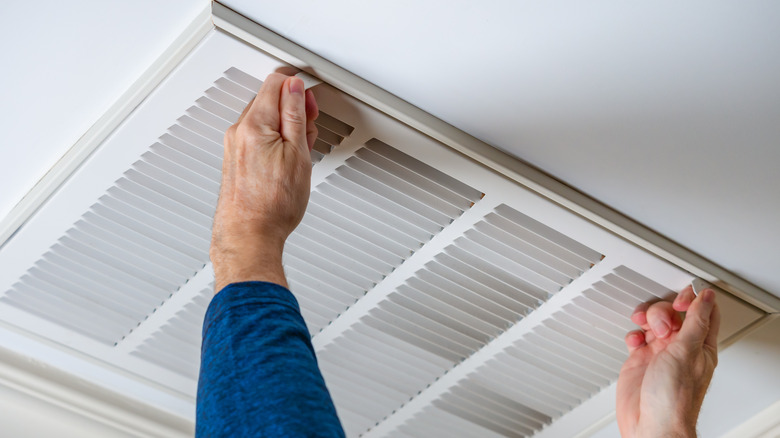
[708,295]
[661,329]
[296,86]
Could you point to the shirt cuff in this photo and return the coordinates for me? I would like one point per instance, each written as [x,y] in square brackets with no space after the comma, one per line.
[248,293]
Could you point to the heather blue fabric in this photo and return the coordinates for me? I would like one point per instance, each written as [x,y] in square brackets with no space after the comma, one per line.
[259,375]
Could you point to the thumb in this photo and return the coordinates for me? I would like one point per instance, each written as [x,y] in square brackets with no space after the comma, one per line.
[292,107]
[698,320]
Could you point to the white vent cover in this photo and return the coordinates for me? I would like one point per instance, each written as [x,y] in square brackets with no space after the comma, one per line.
[150,232]
[442,298]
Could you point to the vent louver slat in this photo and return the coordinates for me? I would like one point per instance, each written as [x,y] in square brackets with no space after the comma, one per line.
[352,236]
[176,345]
[334,125]
[150,232]
[464,297]
[543,374]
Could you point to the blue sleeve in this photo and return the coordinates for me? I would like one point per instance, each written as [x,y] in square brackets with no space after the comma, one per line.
[258,374]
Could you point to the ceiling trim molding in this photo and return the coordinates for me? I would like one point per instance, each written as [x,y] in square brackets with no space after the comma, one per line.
[765,424]
[272,43]
[105,125]
[86,399]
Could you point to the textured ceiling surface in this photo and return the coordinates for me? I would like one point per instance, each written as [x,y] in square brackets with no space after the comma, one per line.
[668,112]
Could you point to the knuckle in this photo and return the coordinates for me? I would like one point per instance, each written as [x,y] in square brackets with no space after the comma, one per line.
[714,359]
[230,133]
[246,133]
[295,117]
[702,325]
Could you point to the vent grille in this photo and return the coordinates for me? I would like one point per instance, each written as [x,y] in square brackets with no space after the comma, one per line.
[478,287]
[331,132]
[176,345]
[552,368]
[362,223]
[142,240]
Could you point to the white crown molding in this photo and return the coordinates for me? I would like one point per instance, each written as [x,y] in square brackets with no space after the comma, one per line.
[86,399]
[765,424]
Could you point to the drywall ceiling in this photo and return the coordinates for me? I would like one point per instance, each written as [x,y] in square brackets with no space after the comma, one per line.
[668,112]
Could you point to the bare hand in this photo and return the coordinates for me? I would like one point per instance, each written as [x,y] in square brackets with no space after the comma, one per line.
[266,181]
[662,384]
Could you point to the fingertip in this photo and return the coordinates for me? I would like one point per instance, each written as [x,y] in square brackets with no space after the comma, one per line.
[634,340]
[660,318]
[684,299]
[639,318]
[295,85]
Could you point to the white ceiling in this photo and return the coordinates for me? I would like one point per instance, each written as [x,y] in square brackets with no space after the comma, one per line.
[667,111]
[64,65]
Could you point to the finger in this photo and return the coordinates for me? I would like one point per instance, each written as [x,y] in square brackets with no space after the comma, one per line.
[662,319]
[711,340]
[634,340]
[312,109]
[246,110]
[639,317]
[684,299]
[287,70]
[312,112]
[227,141]
[264,110]
[697,325]
[293,112]
[311,134]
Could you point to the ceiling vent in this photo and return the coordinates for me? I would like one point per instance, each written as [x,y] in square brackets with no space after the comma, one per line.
[443,298]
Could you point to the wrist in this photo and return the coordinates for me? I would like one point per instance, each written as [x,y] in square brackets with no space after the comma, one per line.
[251,260]
[669,431]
